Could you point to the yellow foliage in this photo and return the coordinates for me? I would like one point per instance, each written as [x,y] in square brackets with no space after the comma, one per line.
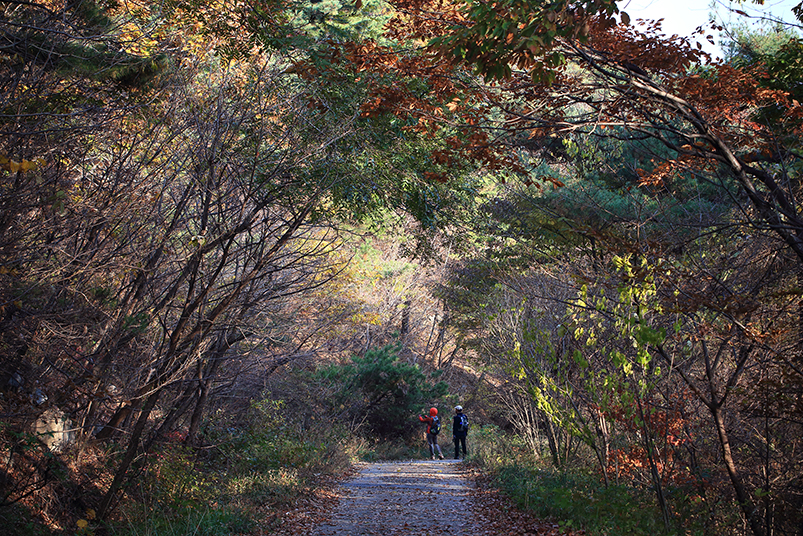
[366,318]
[26,165]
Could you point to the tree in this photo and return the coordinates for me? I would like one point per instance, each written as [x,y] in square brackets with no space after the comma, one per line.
[571,69]
[382,391]
[635,82]
[180,231]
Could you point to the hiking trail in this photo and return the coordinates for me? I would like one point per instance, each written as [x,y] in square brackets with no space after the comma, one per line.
[392,498]
[414,497]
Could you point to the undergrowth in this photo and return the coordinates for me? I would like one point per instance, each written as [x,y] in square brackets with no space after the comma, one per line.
[195,520]
[413,449]
[576,497]
[579,501]
[377,451]
[227,489]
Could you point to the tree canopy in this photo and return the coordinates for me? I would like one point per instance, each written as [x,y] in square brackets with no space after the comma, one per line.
[357,209]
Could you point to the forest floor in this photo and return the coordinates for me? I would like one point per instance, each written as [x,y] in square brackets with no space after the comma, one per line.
[411,497]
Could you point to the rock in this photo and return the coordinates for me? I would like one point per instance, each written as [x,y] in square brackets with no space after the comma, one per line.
[16,381]
[54,429]
[38,397]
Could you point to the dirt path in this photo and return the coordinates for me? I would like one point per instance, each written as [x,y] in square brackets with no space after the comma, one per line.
[394,498]
[403,498]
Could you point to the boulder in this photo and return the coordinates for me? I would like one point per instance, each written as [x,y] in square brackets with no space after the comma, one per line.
[54,429]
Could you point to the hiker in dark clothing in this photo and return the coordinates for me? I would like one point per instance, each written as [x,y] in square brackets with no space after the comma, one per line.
[459,431]
[433,427]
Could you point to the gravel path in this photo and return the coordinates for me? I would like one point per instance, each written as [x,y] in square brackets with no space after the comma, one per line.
[394,498]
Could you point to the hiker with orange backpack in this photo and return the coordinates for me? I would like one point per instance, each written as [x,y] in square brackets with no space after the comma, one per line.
[433,428]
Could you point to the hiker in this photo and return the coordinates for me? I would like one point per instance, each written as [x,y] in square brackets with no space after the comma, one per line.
[433,428]
[459,431]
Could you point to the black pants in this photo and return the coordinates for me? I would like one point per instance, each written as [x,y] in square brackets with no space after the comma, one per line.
[458,440]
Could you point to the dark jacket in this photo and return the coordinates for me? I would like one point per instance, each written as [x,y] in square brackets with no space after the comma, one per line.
[456,426]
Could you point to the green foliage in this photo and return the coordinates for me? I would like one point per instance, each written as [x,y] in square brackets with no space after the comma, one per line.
[198,520]
[632,313]
[34,465]
[378,450]
[746,45]
[71,54]
[338,18]
[777,51]
[784,67]
[520,33]
[278,439]
[579,501]
[603,191]
[383,390]
[19,521]
[269,461]
[275,462]
[490,447]
[175,497]
[386,162]
[173,482]
[272,486]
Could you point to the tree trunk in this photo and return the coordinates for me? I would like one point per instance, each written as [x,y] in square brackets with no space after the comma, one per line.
[116,422]
[405,321]
[204,382]
[741,494]
[120,475]
[649,445]
[440,341]
[602,451]
[800,318]
[554,443]
[185,400]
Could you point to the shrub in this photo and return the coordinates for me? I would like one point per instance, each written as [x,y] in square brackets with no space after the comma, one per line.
[383,390]
[579,500]
[195,521]
[269,461]
[573,498]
